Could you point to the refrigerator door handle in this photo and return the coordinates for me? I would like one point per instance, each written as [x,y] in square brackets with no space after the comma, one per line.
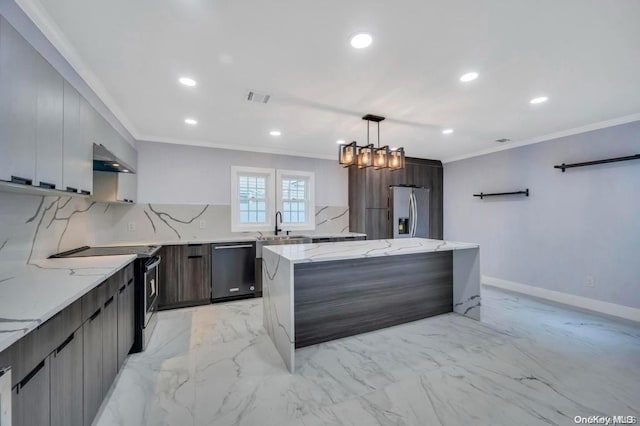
[415,215]
[411,220]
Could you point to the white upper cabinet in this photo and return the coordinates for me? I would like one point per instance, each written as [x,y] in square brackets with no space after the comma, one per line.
[18,106]
[77,146]
[47,129]
[49,126]
[127,187]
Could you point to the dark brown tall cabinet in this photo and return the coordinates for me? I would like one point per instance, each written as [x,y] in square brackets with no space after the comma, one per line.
[369,210]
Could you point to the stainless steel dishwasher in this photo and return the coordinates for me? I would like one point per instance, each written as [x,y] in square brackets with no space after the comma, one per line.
[233,270]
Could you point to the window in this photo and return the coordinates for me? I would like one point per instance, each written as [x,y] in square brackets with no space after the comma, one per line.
[256,195]
[252,199]
[296,199]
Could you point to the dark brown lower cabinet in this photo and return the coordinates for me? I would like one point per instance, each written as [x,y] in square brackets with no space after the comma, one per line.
[195,274]
[65,367]
[92,372]
[185,275]
[169,278]
[109,342]
[66,382]
[30,399]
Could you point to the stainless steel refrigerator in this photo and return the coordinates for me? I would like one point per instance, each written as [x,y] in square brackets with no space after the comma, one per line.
[410,211]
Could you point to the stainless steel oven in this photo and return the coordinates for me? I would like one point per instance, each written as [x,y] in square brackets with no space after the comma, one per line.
[150,278]
[5,396]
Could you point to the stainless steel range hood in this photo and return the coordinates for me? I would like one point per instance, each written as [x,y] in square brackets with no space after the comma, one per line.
[105,161]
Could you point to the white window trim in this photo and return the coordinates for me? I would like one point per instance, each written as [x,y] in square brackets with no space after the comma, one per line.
[310,224]
[269,225]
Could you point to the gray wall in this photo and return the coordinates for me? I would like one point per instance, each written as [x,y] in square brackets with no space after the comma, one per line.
[578,224]
[179,174]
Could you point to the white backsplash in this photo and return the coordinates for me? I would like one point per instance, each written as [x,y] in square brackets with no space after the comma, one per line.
[179,222]
[35,227]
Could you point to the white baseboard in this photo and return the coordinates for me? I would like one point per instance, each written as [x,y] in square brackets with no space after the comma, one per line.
[606,308]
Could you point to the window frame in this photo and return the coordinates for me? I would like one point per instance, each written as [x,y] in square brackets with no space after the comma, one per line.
[310,223]
[270,197]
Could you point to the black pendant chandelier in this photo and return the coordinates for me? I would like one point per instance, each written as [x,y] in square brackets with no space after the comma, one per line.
[369,155]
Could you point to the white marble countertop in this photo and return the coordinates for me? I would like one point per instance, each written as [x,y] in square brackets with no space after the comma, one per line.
[232,239]
[323,252]
[31,294]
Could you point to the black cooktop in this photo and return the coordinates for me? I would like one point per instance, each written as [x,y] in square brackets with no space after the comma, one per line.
[140,251]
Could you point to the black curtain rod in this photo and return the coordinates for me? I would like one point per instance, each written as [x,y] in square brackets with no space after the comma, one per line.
[482,194]
[564,166]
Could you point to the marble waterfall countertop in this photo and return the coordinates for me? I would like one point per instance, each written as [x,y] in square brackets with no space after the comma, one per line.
[31,294]
[232,239]
[323,252]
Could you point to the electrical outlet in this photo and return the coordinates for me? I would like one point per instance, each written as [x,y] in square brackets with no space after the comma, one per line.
[131,226]
[590,282]
[203,224]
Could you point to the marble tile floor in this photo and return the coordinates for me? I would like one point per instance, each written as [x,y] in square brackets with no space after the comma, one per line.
[526,363]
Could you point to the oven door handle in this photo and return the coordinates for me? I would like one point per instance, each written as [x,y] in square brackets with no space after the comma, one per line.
[153,265]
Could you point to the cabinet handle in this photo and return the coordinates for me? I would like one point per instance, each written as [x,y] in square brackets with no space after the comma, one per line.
[71,189]
[65,343]
[194,257]
[85,192]
[233,290]
[233,247]
[122,289]
[130,281]
[29,376]
[47,185]
[108,302]
[94,316]
[21,180]
[194,245]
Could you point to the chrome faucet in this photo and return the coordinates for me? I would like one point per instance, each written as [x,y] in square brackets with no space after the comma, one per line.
[278,229]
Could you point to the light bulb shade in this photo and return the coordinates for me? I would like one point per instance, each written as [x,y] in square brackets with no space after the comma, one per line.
[348,154]
[365,156]
[381,158]
[396,159]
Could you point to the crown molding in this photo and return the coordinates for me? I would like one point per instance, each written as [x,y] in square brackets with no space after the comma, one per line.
[569,132]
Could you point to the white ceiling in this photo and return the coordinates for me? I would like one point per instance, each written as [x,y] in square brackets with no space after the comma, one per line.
[584,55]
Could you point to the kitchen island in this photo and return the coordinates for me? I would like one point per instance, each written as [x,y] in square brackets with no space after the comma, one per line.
[314,293]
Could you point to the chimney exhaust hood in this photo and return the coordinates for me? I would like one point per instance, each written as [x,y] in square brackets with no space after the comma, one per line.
[105,161]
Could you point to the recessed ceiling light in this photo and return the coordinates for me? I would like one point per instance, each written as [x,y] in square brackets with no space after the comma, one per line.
[470,76]
[340,142]
[187,81]
[361,40]
[275,133]
[125,171]
[447,131]
[539,100]
[116,164]
[191,121]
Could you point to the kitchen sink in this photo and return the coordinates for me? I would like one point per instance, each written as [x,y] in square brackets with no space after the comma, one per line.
[279,240]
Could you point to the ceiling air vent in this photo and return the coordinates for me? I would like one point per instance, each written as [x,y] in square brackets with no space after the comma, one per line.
[261,98]
[503,140]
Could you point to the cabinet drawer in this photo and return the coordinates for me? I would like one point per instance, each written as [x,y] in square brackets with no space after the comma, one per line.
[113,284]
[197,250]
[128,273]
[93,301]
[29,351]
